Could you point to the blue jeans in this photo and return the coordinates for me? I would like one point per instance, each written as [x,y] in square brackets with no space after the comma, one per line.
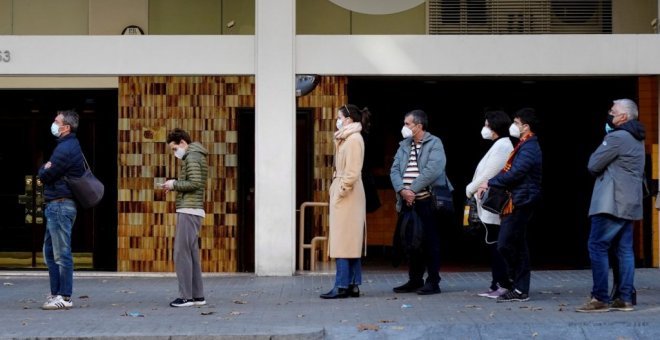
[605,228]
[349,272]
[60,217]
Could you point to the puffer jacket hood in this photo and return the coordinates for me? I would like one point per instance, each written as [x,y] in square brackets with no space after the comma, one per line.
[197,147]
[635,128]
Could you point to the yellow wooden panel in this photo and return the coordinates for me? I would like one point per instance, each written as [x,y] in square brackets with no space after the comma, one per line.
[47,17]
[5,17]
[110,17]
[654,158]
[185,17]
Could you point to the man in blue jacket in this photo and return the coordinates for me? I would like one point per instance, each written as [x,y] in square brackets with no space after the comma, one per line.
[60,213]
[521,176]
[616,201]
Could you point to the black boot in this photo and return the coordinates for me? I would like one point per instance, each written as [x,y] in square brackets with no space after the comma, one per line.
[335,293]
[353,290]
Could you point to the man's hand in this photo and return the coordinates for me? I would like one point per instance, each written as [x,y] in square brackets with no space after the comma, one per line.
[48,165]
[408,195]
[168,185]
[482,188]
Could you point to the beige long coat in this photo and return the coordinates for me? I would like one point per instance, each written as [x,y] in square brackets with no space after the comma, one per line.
[348,215]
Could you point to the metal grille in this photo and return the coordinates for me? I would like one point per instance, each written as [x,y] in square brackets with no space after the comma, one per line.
[519,16]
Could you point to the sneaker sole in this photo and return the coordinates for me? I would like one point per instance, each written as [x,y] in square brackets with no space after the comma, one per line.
[622,309]
[199,303]
[513,300]
[55,307]
[187,304]
[605,310]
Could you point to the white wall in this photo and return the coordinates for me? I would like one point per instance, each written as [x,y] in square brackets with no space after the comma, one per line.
[627,54]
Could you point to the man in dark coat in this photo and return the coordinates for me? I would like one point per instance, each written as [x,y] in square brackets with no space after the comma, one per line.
[521,176]
[60,213]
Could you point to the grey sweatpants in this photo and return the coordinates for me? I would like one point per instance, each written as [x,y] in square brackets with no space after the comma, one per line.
[186,256]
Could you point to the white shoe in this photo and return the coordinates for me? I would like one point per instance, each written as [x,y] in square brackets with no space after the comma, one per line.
[57,302]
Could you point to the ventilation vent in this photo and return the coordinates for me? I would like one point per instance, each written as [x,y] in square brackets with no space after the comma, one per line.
[519,16]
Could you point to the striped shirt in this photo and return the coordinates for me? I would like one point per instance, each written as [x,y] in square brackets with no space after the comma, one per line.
[412,170]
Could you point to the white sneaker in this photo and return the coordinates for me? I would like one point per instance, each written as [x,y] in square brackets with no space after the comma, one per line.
[497,293]
[486,293]
[200,301]
[57,302]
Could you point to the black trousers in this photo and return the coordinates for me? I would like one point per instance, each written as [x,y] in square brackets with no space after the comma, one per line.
[500,275]
[512,244]
[428,258]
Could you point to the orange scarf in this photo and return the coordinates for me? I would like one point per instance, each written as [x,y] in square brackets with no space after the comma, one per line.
[508,209]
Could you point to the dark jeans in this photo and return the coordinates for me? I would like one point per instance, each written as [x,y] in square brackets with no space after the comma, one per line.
[500,277]
[428,259]
[512,244]
[605,228]
[60,217]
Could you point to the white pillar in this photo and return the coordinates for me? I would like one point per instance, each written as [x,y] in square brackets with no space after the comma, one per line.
[275,135]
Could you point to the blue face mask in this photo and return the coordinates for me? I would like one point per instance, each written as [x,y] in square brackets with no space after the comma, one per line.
[608,128]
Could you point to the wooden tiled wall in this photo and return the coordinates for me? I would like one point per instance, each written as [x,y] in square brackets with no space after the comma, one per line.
[149,107]
[206,107]
[648,115]
[325,100]
[648,108]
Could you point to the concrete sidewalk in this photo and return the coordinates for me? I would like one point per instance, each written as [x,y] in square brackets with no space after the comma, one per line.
[121,306]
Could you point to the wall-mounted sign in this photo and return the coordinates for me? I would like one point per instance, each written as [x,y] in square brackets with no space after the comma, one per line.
[132,30]
[5,56]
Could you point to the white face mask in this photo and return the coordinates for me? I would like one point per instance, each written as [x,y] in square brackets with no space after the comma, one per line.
[486,133]
[406,132]
[179,153]
[514,131]
[55,130]
[340,123]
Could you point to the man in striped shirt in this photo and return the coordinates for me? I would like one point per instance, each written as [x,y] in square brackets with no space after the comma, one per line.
[419,163]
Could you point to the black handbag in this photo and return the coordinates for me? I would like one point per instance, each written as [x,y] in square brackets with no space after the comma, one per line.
[87,189]
[442,198]
[495,199]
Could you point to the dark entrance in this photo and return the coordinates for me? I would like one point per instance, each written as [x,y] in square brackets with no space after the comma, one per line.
[572,127]
[25,118]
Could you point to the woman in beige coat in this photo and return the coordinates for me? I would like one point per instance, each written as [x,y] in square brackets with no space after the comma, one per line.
[348,215]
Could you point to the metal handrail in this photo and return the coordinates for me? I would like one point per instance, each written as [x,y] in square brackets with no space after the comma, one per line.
[312,245]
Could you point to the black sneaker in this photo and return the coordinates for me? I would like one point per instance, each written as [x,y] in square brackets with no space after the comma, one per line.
[181,303]
[408,287]
[513,295]
[429,288]
[200,301]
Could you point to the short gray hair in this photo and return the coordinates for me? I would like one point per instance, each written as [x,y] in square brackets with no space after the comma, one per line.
[629,107]
[70,118]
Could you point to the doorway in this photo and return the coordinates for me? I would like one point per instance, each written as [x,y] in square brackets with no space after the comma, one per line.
[572,121]
[25,117]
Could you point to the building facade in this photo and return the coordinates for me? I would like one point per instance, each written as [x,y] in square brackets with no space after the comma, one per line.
[226,71]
